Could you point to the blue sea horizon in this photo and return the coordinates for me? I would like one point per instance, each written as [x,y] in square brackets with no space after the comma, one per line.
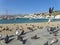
[26,20]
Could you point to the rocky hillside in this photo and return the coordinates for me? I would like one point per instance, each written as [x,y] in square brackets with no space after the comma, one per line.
[56,13]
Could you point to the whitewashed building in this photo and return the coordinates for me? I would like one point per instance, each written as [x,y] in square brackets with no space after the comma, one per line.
[57,16]
[50,16]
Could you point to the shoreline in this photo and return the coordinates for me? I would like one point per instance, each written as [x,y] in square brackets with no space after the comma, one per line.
[31,22]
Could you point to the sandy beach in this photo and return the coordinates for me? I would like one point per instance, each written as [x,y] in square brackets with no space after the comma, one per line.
[40,30]
[12,27]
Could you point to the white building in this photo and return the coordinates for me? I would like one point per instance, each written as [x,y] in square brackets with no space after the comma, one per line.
[57,16]
[50,16]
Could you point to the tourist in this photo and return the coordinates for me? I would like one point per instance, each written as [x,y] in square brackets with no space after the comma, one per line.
[0,36]
[21,38]
[22,33]
[24,41]
[55,40]
[6,39]
[17,31]
[18,37]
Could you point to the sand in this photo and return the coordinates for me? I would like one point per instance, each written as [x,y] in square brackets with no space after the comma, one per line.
[42,33]
[24,26]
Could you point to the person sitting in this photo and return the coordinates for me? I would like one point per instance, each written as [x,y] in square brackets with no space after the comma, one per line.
[55,40]
[22,32]
[18,37]
[21,39]
[6,39]
[0,36]
[24,41]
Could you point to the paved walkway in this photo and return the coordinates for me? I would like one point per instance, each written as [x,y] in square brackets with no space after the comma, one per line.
[42,33]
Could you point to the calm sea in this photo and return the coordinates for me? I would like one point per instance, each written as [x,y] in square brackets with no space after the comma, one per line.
[26,20]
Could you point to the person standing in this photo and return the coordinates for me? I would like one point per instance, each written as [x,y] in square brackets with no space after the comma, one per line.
[17,31]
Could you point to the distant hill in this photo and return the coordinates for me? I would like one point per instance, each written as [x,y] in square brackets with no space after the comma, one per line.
[43,14]
[56,13]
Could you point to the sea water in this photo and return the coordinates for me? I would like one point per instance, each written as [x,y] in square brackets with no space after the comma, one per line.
[26,20]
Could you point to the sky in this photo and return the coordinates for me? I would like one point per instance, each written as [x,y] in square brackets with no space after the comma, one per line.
[27,6]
